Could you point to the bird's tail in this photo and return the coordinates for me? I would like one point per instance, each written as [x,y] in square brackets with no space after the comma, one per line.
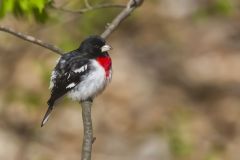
[47,114]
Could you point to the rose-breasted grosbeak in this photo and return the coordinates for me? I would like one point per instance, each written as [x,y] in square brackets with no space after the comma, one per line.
[82,73]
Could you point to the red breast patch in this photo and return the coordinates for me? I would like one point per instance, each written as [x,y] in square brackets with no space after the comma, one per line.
[106,63]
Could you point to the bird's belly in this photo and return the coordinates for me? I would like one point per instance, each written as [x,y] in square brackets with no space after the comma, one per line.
[91,85]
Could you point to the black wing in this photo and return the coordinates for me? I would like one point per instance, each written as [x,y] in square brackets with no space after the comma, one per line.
[67,74]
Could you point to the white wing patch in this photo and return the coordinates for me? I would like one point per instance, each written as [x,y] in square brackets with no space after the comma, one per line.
[68,76]
[81,69]
[92,84]
[54,74]
[71,85]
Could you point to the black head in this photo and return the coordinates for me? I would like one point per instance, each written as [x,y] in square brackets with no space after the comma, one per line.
[94,45]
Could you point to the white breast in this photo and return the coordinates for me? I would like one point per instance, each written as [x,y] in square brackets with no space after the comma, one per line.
[91,85]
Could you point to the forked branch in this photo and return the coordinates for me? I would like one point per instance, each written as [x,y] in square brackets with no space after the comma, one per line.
[86,105]
[129,8]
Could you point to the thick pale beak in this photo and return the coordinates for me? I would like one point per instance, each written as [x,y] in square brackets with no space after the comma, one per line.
[106,48]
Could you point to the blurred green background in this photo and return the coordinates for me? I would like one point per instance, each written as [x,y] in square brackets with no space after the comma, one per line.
[175,88]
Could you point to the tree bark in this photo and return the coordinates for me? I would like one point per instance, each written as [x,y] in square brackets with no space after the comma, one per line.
[88,130]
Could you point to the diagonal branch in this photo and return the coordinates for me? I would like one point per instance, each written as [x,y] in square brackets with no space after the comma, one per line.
[90,8]
[32,39]
[131,6]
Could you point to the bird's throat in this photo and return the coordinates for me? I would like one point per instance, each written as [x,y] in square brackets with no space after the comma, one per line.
[106,63]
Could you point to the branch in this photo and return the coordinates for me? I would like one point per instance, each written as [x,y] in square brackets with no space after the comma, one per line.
[86,105]
[88,130]
[89,8]
[31,39]
[131,6]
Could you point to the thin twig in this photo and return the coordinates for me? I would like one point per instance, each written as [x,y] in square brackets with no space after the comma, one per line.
[88,130]
[32,39]
[91,8]
[132,5]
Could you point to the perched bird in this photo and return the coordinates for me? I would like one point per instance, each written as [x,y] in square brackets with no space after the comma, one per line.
[82,73]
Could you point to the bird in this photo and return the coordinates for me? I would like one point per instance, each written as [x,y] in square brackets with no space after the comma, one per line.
[81,74]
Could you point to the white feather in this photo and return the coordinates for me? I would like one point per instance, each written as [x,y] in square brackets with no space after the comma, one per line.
[46,119]
[68,76]
[71,85]
[53,76]
[81,69]
[91,85]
